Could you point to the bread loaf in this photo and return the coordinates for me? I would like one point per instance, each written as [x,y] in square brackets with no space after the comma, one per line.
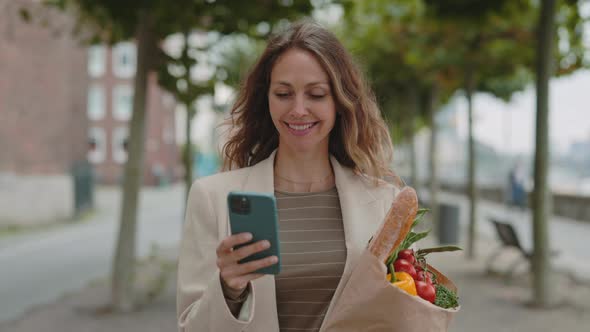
[396,225]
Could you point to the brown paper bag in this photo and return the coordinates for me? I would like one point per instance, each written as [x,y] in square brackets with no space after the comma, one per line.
[370,303]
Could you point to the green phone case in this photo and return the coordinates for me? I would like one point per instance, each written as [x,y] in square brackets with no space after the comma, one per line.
[260,218]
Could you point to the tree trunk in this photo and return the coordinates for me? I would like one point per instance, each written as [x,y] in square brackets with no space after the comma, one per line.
[188,155]
[541,203]
[124,260]
[413,164]
[432,105]
[188,102]
[410,131]
[471,160]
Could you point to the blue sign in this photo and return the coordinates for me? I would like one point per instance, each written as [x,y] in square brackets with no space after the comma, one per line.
[205,164]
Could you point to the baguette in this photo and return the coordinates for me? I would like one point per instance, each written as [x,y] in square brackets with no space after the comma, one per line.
[396,225]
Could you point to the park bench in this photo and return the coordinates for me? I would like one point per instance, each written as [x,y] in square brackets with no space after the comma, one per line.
[509,240]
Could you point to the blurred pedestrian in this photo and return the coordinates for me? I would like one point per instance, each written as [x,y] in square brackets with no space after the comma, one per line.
[306,127]
[516,184]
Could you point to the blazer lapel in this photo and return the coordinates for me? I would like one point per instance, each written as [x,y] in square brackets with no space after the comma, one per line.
[260,179]
[359,208]
[362,213]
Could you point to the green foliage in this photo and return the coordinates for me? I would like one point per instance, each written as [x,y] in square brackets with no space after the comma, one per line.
[569,49]
[412,44]
[500,40]
[461,8]
[112,21]
[405,54]
[504,87]
[116,20]
[497,45]
[176,76]
[235,55]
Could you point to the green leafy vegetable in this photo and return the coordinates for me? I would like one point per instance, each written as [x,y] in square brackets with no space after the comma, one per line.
[411,237]
[419,215]
[446,298]
[423,252]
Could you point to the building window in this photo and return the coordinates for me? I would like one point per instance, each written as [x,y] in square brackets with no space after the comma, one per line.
[120,144]
[167,100]
[122,102]
[95,103]
[96,145]
[96,60]
[124,59]
[168,134]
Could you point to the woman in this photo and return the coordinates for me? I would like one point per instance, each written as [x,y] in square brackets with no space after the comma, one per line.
[305,127]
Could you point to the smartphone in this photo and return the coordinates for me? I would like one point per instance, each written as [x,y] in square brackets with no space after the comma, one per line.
[256,213]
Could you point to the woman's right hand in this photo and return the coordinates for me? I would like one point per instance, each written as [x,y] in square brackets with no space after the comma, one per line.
[235,275]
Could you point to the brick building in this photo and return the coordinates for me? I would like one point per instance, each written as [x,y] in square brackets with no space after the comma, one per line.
[43,122]
[110,97]
[56,97]
[43,82]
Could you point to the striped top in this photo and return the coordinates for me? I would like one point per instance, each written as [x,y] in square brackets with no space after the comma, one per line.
[313,253]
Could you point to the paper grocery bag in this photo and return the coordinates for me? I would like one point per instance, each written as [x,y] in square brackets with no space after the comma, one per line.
[370,303]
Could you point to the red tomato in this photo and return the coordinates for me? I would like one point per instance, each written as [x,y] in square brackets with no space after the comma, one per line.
[426,291]
[424,276]
[402,265]
[407,254]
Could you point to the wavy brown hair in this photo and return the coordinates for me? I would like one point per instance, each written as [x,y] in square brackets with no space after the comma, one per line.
[360,138]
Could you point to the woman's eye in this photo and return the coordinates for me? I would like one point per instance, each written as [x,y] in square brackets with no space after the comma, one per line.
[282,94]
[317,96]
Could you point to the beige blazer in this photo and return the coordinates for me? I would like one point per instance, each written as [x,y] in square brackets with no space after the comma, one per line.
[200,303]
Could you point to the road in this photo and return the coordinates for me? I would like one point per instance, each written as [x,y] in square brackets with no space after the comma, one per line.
[39,268]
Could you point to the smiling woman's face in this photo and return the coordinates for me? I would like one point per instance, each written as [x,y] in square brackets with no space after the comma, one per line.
[301,103]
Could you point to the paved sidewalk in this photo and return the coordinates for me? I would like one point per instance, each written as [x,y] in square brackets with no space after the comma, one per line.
[491,303]
[488,304]
[567,236]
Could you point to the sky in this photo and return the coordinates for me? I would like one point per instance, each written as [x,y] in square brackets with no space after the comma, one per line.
[510,127]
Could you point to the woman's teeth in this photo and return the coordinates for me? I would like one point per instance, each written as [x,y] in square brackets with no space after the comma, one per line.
[300,127]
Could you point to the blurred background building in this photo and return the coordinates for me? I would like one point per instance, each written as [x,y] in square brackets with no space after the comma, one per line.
[62,105]
[110,100]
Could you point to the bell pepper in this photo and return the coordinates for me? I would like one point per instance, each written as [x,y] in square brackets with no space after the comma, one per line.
[404,281]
